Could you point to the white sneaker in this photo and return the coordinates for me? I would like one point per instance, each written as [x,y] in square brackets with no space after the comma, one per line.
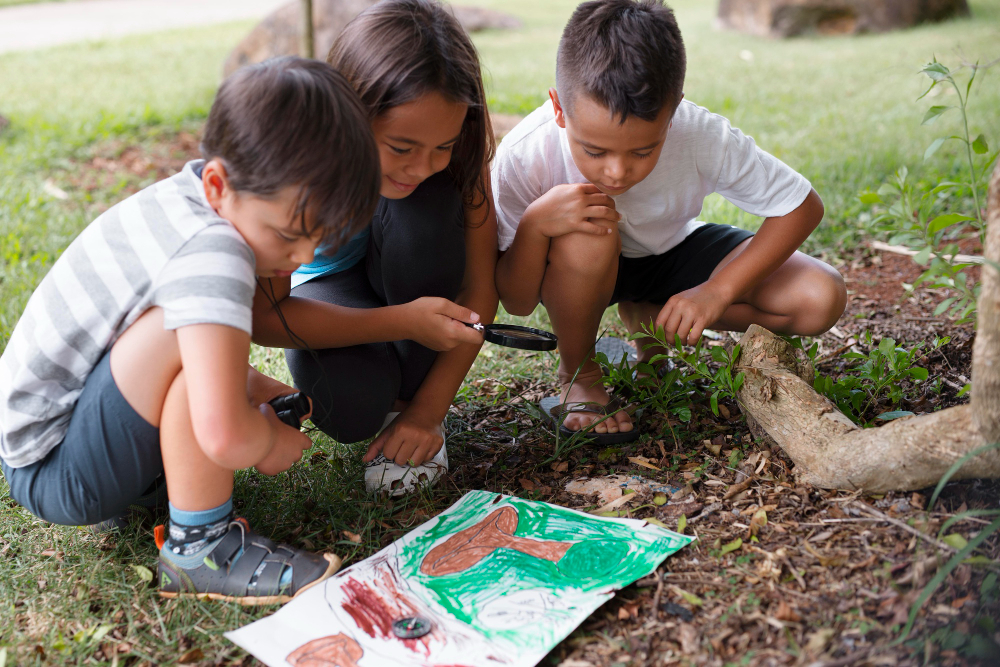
[384,475]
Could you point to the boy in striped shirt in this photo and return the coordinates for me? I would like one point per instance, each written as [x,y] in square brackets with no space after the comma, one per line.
[129,363]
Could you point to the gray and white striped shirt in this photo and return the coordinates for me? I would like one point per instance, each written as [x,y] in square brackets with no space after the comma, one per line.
[164,246]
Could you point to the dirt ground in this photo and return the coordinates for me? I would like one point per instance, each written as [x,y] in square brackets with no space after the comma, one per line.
[828,579]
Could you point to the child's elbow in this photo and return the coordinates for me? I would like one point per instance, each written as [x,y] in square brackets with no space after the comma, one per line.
[222,444]
[814,208]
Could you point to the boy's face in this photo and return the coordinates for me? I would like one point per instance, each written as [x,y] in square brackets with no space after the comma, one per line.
[269,226]
[611,155]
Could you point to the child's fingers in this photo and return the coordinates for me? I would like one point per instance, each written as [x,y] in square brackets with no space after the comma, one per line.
[375,447]
[602,213]
[591,228]
[696,330]
[457,312]
[673,325]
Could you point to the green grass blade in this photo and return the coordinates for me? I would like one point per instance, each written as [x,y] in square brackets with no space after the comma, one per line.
[954,468]
[942,574]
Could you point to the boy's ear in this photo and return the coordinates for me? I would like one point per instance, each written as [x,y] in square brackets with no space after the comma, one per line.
[560,112]
[215,180]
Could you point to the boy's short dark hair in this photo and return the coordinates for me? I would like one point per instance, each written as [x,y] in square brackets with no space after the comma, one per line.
[297,122]
[627,55]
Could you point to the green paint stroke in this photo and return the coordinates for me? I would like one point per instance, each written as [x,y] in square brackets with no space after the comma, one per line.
[606,555]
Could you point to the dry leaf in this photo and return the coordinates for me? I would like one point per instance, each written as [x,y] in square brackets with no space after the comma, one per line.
[642,461]
[758,521]
[737,488]
[527,484]
[688,636]
[560,466]
[818,640]
[353,537]
[194,655]
[786,613]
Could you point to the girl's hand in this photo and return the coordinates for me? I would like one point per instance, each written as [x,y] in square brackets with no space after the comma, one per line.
[437,323]
[573,207]
[289,444]
[412,439]
[690,312]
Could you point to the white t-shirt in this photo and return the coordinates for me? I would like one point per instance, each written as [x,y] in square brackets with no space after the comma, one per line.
[164,246]
[702,154]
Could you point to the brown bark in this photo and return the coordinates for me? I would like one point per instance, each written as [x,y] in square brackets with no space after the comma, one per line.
[986,352]
[830,451]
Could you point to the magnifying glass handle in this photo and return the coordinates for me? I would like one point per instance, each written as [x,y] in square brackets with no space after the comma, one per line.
[477,326]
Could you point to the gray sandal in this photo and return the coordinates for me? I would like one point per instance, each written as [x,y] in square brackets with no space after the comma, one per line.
[555,412]
[249,578]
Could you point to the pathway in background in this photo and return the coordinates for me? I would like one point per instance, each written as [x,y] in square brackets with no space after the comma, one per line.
[24,27]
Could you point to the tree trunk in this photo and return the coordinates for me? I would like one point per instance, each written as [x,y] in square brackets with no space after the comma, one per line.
[308,30]
[986,351]
[830,451]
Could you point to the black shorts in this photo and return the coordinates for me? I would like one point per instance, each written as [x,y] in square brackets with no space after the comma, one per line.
[656,278]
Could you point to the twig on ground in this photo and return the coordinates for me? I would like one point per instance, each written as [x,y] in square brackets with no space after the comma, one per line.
[705,512]
[947,548]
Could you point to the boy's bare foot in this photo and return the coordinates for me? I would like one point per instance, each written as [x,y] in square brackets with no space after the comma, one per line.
[587,388]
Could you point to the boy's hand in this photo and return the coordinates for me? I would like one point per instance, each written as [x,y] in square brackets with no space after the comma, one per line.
[573,207]
[288,445]
[688,313]
[264,389]
[437,323]
[411,439]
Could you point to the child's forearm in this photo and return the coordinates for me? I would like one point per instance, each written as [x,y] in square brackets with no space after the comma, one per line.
[318,324]
[321,325]
[775,241]
[520,271]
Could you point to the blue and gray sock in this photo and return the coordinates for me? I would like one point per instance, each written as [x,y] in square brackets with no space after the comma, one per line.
[193,535]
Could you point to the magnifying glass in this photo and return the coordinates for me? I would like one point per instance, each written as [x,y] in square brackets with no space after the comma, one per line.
[512,335]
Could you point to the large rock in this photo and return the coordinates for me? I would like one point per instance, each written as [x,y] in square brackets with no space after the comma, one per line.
[788,18]
[280,33]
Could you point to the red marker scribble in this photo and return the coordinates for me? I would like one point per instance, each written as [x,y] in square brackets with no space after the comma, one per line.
[374,610]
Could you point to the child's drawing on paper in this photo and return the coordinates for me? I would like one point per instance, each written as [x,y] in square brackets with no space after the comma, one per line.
[501,581]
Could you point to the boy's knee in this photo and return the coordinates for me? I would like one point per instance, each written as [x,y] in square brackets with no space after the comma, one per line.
[585,254]
[823,299]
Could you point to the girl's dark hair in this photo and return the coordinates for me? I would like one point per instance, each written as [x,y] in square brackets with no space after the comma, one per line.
[396,51]
[296,122]
[627,55]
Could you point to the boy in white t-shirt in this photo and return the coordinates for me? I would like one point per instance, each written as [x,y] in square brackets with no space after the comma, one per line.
[597,194]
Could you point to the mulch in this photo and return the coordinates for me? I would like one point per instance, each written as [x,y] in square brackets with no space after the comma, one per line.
[831,576]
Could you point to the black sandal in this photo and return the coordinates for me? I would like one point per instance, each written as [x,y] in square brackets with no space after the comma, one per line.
[223,576]
[555,412]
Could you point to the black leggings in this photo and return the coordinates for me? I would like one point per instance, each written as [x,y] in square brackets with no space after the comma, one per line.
[416,248]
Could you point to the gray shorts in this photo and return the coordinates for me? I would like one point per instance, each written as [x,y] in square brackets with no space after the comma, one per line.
[108,459]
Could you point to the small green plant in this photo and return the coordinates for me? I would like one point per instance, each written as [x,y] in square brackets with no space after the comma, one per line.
[877,378]
[928,217]
[721,382]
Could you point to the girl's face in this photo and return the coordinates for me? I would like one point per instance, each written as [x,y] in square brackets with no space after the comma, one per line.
[415,141]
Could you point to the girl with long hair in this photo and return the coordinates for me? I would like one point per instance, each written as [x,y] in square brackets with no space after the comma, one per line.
[376,330]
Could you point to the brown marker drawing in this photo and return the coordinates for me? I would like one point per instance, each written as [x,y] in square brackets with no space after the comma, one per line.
[337,650]
[468,547]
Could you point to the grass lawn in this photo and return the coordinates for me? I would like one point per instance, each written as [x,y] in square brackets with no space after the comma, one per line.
[842,111]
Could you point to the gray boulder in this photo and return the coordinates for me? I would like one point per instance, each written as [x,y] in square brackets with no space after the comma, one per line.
[789,18]
[280,33]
